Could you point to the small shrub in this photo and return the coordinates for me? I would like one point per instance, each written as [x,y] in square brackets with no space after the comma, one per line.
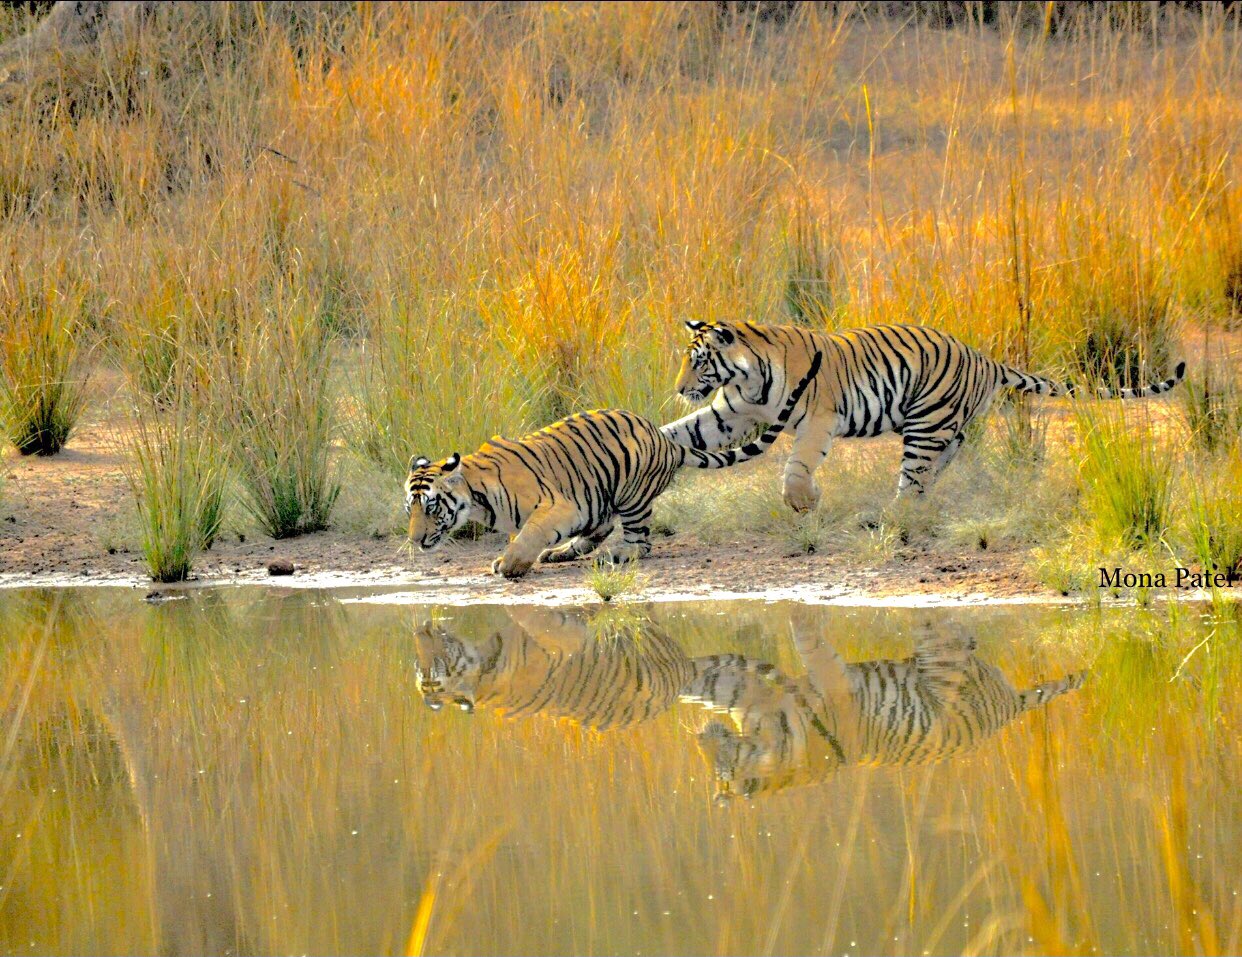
[608,580]
[42,369]
[177,471]
[1126,480]
[874,544]
[1060,570]
[809,533]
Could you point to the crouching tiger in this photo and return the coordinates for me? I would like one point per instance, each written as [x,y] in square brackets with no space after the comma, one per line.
[599,674]
[919,382]
[569,482]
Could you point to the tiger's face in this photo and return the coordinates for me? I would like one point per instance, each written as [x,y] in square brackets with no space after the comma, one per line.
[448,671]
[739,764]
[764,760]
[713,359]
[436,499]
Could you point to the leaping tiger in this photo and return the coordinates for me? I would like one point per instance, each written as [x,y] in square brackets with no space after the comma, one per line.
[572,480]
[919,382]
[783,732]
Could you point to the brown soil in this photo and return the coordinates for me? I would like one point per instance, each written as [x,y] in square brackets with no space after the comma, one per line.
[60,523]
[59,518]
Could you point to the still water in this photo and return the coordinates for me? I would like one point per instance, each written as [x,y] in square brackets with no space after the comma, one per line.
[249,771]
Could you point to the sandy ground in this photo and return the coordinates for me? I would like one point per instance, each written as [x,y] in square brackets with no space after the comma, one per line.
[62,522]
[59,524]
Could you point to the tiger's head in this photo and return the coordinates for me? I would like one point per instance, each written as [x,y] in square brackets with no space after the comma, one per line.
[436,499]
[714,358]
[738,763]
[763,760]
[449,671]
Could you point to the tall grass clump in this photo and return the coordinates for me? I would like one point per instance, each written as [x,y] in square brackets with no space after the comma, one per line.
[1215,514]
[42,363]
[813,282]
[1211,401]
[177,470]
[276,395]
[433,381]
[1126,479]
[1114,297]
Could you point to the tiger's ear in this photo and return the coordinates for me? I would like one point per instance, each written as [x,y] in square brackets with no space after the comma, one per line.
[418,462]
[694,325]
[723,335]
[451,463]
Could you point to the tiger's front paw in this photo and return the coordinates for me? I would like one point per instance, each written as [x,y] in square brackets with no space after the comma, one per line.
[510,566]
[628,552]
[562,553]
[801,497]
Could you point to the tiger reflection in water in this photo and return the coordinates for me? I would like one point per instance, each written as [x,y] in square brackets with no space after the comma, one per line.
[545,661]
[772,732]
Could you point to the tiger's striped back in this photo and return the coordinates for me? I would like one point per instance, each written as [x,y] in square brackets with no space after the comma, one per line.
[905,723]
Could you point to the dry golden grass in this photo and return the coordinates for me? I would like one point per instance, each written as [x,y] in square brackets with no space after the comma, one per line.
[505,211]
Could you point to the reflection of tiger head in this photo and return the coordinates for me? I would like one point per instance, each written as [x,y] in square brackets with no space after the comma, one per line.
[766,760]
[774,732]
[448,671]
[738,763]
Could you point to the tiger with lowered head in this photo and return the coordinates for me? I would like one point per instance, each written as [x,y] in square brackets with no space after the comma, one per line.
[601,674]
[570,482]
[919,382]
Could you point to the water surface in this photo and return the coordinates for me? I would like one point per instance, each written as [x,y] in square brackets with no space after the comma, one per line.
[253,771]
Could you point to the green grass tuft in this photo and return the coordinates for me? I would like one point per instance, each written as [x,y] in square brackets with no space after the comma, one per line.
[1126,478]
[178,472]
[280,408]
[610,581]
[42,365]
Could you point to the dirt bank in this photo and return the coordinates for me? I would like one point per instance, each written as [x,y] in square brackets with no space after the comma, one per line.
[62,521]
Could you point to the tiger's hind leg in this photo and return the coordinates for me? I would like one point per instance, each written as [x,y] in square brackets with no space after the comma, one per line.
[929,447]
[636,542]
[578,546]
[923,457]
[947,454]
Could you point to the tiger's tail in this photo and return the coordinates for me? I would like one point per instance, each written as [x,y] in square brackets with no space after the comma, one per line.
[1048,690]
[1040,385]
[722,460]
